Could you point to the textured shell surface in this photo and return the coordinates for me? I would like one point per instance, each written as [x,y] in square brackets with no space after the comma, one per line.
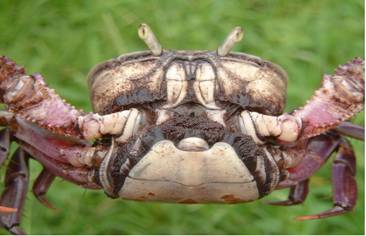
[142,78]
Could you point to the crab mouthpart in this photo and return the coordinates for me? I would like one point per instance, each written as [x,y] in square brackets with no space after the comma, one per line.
[193,144]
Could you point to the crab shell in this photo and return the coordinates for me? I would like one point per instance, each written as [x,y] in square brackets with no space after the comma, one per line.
[190,170]
[137,78]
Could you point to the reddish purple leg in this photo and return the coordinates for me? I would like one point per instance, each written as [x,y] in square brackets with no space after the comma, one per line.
[298,194]
[14,195]
[4,151]
[41,186]
[4,145]
[351,130]
[80,176]
[344,183]
[318,151]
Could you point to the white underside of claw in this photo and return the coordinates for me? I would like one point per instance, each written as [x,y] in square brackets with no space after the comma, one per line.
[285,128]
[122,124]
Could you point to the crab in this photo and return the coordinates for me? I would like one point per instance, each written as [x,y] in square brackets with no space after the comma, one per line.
[180,126]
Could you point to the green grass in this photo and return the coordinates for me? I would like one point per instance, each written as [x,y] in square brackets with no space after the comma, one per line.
[64,39]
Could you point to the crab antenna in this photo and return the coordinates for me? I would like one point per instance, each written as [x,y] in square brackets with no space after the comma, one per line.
[146,34]
[235,36]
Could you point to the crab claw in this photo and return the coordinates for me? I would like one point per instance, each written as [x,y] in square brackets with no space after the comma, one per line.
[340,97]
[8,69]
[31,100]
[285,128]
[122,124]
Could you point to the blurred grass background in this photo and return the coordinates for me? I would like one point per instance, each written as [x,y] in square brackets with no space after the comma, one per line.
[64,39]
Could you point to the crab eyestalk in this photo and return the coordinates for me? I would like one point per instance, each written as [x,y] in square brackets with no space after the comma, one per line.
[147,35]
[235,36]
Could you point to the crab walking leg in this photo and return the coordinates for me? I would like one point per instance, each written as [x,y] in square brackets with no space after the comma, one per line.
[4,151]
[30,99]
[14,195]
[318,151]
[297,195]
[340,97]
[351,130]
[344,183]
[41,186]
[4,145]
[58,148]
[79,175]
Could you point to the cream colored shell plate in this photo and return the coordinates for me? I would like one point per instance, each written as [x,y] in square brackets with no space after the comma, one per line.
[110,79]
[172,175]
[238,78]
[265,85]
